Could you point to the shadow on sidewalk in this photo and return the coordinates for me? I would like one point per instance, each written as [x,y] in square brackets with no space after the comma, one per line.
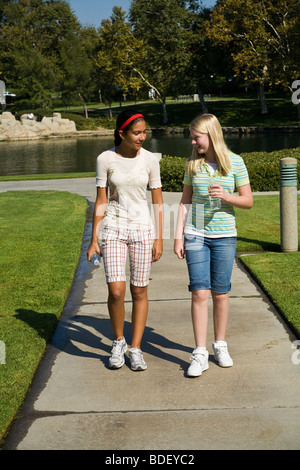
[91,337]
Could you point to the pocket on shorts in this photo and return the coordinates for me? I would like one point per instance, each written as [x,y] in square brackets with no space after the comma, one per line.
[193,242]
[232,241]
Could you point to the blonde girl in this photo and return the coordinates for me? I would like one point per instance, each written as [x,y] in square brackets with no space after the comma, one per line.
[209,244]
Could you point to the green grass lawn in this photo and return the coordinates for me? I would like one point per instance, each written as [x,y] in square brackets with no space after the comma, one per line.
[278,275]
[240,110]
[259,228]
[276,272]
[40,245]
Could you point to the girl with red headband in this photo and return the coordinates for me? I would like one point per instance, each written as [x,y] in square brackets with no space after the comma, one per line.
[122,223]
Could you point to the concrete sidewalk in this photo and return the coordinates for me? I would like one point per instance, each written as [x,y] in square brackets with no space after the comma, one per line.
[77,403]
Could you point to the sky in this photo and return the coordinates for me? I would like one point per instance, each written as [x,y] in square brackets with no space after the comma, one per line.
[92,12]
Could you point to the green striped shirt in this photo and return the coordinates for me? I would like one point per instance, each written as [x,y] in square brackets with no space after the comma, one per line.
[201,219]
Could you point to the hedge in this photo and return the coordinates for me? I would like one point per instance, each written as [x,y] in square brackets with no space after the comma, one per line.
[263,169]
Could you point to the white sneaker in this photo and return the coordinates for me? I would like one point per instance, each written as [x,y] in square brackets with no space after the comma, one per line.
[221,354]
[119,348]
[199,363]
[136,359]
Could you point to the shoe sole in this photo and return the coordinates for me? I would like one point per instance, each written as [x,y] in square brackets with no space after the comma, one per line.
[138,368]
[223,365]
[112,366]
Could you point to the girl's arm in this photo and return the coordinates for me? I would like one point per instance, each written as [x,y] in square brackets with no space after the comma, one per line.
[157,202]
[99,212]
[185,202]
[243,200]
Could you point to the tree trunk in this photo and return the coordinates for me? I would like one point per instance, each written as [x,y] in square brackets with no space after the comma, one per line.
[202,101]
[84,106]
[165,121]
[160,97]
[263,104]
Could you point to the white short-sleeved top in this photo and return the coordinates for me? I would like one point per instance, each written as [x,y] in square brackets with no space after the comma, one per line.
[127,180]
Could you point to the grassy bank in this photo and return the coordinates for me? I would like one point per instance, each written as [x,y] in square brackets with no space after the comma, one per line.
[240,110]
[231,111]
[278,276]
[277,273]
[40,244]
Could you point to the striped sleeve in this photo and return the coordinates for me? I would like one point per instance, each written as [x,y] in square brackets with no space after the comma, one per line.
[239,170]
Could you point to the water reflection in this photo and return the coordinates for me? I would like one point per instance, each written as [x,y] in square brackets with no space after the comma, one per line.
[66,155]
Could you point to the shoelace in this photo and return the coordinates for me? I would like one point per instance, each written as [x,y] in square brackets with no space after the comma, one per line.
[137,356]
[198,357]
[117,347]
[222,351]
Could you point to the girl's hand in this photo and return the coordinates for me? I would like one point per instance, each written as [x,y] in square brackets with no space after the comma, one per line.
[179,248]
[157,250]
[93,248]
[216,191]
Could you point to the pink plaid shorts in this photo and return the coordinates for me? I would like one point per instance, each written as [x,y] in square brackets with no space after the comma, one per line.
[114,246]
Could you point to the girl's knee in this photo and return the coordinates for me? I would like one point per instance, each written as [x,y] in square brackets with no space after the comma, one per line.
[116,292]
[200,295]
[138,293]
[217,297]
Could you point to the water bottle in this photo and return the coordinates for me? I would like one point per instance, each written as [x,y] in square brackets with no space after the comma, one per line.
[96,259]
[214,202]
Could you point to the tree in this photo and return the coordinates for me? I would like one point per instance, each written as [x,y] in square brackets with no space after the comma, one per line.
[118,52]
[30,39]
[209,64]
[163,26]
[235,22]
[77,69]
[261,33]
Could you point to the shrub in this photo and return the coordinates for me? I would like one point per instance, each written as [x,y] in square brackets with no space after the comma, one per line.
[38,112]
[264,168]
[172,172]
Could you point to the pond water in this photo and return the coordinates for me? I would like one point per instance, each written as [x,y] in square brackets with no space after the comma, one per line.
[66,155]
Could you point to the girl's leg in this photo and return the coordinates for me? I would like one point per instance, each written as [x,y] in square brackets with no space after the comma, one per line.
[220,314]
[197,253]
[200,316]
[139,314]
[140,257]
[222,259]
[116,307]
[114,250]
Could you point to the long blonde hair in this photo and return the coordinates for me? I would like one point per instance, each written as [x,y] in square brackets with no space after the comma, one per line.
[209,124]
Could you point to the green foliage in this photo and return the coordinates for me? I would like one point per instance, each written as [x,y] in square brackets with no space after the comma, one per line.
[172,172]
[118,52]
[263,37]
[264,168]
[37,42]
[38,112]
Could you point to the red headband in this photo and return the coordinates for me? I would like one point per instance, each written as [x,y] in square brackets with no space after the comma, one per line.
[129,121]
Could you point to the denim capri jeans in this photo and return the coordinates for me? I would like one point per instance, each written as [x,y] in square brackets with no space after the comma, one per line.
[210,262]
